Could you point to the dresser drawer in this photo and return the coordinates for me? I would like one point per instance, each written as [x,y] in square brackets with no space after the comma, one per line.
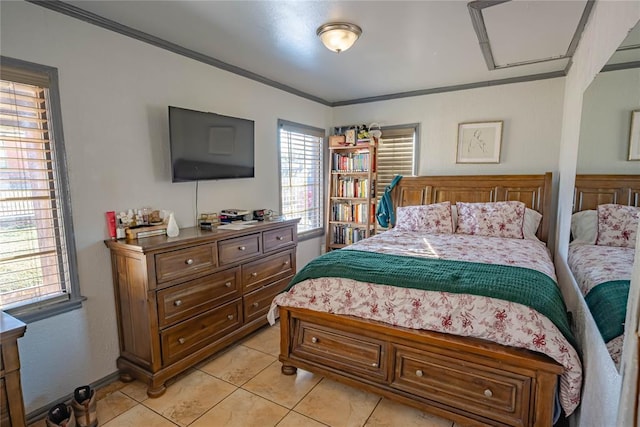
[257,273]
[279,238]
[191,335]
[257,303]
[185,262]
[340,350]
[239,248]
[197,296]
[4,404]
[462,384]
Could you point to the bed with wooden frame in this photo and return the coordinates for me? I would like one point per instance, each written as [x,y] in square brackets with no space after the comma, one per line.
[465,379]
[593,265]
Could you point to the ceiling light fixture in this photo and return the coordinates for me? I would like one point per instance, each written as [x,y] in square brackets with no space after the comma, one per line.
[339,36]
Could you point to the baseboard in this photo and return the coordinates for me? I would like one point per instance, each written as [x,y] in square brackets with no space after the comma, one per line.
[40,413]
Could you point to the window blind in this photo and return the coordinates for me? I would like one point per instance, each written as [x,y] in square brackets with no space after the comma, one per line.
[301,175]
[396,156]
[34,265]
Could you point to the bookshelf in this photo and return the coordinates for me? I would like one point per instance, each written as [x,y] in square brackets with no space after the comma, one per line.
[351,202]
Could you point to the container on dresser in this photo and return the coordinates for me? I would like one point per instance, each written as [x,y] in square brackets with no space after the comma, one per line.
[11,403]
[351,203]
[179,300]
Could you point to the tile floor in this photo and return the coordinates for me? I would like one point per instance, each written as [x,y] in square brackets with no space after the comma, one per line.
[243,387]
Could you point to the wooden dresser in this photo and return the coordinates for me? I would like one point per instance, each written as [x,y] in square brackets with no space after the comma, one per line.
[11,404]
[181,299]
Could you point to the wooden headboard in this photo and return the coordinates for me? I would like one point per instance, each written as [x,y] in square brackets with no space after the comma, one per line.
[533,190]
[593,190]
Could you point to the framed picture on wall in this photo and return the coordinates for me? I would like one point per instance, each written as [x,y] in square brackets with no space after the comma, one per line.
[479,142]
[634,136]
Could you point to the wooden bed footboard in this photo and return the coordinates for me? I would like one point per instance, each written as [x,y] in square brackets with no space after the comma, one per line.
[467,380]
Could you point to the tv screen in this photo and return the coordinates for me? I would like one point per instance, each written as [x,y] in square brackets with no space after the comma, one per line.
[210,146]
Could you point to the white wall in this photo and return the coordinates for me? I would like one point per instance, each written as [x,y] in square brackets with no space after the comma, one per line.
[531,112]
[608,25]
[114,94]
[606,121]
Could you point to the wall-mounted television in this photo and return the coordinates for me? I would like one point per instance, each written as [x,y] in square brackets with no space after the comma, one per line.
[208,146]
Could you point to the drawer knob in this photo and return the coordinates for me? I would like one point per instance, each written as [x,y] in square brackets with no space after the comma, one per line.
[177,303]
[242,248]
[419,373]
[488,393]
[279,238]
[375,365]
[314,340]
[285,263]
[189,261]
[255,304]
[254,274]
[228,284]
[230,317]
[181,340]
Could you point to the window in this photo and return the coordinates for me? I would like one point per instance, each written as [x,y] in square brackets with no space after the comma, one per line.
[396,155]
[301,176]
[38,276]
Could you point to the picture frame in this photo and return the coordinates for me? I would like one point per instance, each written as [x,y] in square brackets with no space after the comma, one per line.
[634,136]
[479,142]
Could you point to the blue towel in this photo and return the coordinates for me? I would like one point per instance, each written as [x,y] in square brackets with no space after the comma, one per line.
[385,213]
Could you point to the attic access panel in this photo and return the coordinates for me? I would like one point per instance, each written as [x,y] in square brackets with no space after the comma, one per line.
[522,32]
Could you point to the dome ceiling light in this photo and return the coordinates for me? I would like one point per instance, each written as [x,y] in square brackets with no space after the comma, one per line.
[338,36]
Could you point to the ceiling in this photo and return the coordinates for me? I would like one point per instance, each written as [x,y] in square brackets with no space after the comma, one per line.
[407,47]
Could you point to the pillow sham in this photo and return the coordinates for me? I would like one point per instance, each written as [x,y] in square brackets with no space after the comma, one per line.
[617,225]
[496,219]
[584,227]
[531,222]
[434,218]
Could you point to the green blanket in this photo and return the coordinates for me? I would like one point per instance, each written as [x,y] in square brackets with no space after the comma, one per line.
[516,284]
[608,305]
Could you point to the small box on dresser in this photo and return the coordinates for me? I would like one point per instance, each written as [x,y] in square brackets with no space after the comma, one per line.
[179,300]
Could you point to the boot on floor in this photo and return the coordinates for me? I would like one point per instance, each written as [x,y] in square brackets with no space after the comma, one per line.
[85,407]
[61,415]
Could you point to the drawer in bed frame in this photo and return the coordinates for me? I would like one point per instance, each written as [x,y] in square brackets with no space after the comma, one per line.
[467,380]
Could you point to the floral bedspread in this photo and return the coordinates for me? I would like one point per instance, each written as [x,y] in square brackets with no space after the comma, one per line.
[492,319]
[592,265]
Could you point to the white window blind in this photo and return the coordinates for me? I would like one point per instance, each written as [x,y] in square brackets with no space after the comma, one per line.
[396,155]
[301,175]
[34,256]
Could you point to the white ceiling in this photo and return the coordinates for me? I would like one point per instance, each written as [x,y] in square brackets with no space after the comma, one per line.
[406,46]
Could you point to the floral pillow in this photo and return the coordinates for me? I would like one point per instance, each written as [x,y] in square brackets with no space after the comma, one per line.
[497,219]
[435,218]
[617,225]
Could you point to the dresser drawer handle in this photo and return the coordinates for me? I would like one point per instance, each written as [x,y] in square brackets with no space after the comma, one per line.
[279,238]
[254,274]
[375,365]
[314,340]
[419,373]
[189,261]
[181,340]
[228,284]
[255,304]
[177,303]
[242,248]
[488,393]
[230,316]
[285,263]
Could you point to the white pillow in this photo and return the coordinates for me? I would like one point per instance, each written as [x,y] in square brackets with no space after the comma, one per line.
[531,223]
[584,227]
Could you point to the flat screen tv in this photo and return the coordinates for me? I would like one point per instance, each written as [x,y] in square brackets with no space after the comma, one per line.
[208,146]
